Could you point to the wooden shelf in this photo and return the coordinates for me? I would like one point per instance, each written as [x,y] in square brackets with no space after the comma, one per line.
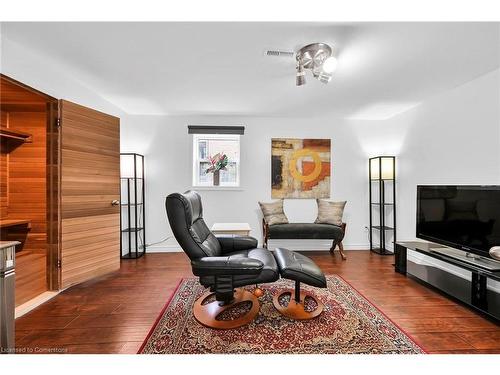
[14,135]
[378,227]
[382,251]
[133,255]
[6,223]
[132,229]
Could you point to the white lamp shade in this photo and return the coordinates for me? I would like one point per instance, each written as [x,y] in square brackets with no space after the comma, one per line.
[127,166]
[387,168]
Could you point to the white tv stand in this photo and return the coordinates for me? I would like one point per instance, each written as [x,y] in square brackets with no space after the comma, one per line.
[472,290]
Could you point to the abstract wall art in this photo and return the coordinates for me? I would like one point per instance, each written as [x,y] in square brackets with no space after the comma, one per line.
[300,168]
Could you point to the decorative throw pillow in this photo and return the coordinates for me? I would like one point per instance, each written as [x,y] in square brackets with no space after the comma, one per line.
[330,212]
[273,212]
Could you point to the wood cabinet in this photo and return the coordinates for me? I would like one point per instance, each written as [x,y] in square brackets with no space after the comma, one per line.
[59,174]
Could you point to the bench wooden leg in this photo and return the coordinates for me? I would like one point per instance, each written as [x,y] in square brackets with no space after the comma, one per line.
[265,233]
[341,249]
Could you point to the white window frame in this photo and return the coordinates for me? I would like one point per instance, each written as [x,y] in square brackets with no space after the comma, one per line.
[196,162]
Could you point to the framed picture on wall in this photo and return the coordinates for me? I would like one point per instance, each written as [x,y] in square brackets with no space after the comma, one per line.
[300,168]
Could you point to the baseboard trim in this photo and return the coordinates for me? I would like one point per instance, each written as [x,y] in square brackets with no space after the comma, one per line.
[163,249]
[34,303]
[302,245]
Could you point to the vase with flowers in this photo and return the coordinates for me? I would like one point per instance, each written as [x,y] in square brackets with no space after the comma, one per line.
[218,163]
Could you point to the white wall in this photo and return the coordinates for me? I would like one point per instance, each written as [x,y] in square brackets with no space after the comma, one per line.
[454,138]
[50,77]
[167,146]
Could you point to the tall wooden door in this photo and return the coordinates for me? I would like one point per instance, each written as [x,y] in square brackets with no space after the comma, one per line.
[90,193]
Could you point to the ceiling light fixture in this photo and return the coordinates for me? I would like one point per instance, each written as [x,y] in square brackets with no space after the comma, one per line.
[319,59]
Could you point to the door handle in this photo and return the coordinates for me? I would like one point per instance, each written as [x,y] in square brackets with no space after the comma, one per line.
[115,202]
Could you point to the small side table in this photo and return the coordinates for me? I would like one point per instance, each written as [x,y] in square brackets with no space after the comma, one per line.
[241,229]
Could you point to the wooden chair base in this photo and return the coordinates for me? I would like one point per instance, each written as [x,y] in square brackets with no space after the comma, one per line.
[296,310]
[207,314]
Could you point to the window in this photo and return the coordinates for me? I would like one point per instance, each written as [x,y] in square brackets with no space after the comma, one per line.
[206,146]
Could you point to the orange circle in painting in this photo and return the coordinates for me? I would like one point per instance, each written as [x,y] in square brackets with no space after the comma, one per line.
[293,165]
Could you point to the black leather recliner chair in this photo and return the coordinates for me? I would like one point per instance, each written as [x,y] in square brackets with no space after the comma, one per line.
[222,262]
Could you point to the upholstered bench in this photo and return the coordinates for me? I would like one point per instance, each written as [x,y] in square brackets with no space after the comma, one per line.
[309,231]
[301,269]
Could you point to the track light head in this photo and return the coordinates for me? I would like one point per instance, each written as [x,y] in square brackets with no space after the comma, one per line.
[300,78]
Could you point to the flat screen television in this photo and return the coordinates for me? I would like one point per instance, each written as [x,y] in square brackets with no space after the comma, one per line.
[463,217]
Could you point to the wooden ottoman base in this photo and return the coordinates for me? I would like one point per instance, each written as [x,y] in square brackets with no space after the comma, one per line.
[296,308]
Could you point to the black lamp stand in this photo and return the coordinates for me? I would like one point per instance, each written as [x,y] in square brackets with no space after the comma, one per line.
[382,173]
[132,209]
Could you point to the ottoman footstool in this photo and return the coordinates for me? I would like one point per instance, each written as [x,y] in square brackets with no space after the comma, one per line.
[301,269]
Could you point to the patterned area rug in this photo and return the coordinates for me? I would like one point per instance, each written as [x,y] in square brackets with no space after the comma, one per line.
[348,324]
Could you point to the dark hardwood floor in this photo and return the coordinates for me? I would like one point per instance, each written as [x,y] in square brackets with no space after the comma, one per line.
[113,314]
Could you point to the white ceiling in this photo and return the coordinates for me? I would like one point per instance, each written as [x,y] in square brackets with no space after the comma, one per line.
[220,68]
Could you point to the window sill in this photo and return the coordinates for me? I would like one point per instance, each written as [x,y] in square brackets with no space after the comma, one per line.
[223,188]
